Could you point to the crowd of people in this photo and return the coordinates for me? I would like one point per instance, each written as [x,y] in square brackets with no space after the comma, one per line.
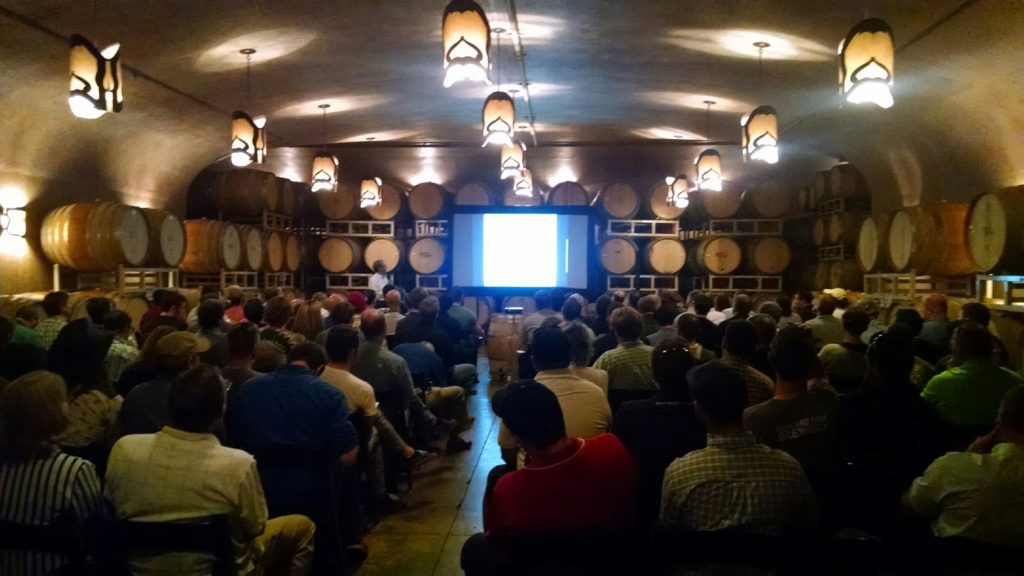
[296,419]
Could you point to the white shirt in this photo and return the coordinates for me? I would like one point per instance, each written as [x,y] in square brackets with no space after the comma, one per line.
[378,282]
[716,316]
[391,320]
[584,406]
[358,393]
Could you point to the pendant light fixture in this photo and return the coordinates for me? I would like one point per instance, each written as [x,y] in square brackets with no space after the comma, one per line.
[369,192]
[95,79]
[466,37]
[761,127]
[708,163]
[866,64]
[248,134]
[678,191]
[499,115]
[523,184]
[512,161]
[325,165]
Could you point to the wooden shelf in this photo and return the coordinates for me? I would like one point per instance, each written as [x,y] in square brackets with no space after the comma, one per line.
[910,285]
[432,282]
[223,279]
[348,281]
[278,280]
[360,228]
[643,228]
[735,227]
[126,280]
[714,283]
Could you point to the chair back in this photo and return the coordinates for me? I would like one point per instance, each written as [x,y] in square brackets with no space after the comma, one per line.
[60,537]
[208,535]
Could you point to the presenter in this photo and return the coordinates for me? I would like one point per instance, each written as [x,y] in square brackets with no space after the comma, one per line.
[379,279]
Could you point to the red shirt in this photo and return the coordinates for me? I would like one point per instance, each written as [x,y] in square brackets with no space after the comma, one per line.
[150,316]
[588,487]
[235,315]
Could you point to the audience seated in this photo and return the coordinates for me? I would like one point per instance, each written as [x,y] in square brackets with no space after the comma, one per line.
[936,330]
[924,368]
[801,422]
[39,484]
[787,316]
[709,335]
[766,326]
[572,315]
[647,306]
[606,341]
[234,297]
[738,347]
[154,309]
[599,323]
[17,358]
[581,351]
[665,317]
[146,367]
[569,486]
[702,490]
[308,322]
[55,304]
[464,316]
[742,306]
[771,309]
[979,313]
[688,328]
[253,311]
[825,327]
[197,477]
[145,406]
[422,327]
[845,363]
[977,494]
[241,341]
[123,350]
[875,325]
[96,308]
[173,311]
[969,393]
[542,300]
[662,428]
[211,328]
[803,306]
[629,364]
[276,314]
[445,402]
[718,314]
[25,321]
[341,315]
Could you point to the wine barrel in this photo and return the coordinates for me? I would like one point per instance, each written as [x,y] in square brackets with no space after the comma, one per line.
[994,235]
[339,204]
[427,200]
[843,228]
[872,244]
[292,253]
[718,205]
[166,238]
[11,303]
[510,198]
[479,306]
[657,202]
[252,247]
[714,255]
[474,194]
[427,256]
[767,255]
[568,194]
[769,199]
[846,182]
[135,305]
[288,196]
[96,237]
[273,252]
[617,255]
[203,198]
[386,249]
[619,201]
[211,246]
[845,274]
[820,230]
[78,300]
[930,239]
[247,193]
[503,342]
[821,187]
[340,254]
[390,203]
[665,256]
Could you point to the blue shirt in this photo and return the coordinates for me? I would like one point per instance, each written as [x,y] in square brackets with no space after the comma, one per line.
[422,361]
[293,413]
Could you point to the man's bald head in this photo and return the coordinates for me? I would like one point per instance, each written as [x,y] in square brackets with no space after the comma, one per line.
[372,324]
[394,300]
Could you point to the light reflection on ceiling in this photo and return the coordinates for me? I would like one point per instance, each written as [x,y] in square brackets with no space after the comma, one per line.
[381,136]
[739,43]
[269,45]
[696,101]
[533,28]
[337,104]
[667,133]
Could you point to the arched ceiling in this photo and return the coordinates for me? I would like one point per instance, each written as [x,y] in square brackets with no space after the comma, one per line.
[600,71]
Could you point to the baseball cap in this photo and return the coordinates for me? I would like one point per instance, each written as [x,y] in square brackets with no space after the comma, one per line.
[181,346]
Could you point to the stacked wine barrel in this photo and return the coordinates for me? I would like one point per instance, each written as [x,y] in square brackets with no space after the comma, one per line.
[662,256]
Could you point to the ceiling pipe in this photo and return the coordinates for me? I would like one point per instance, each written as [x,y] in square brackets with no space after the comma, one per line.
[517,45]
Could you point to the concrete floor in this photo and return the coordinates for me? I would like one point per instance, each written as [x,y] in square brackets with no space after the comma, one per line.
[444,507]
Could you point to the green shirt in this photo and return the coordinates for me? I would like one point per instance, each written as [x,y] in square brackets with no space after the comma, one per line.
[26,335]
[976,496]
[628,367]
[969,394]
[464,317]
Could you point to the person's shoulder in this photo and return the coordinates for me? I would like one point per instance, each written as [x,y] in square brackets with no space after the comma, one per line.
[1010,374]
[757,411]
[605,443]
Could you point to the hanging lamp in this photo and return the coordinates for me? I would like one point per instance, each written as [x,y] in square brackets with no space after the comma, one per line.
[95,79]
[325,165]
[512,160]
[761,127]
[466,37]
[678,191]
[708,163]
[369,192]
[248,134]
[866,64]
[523,184]
[499,114]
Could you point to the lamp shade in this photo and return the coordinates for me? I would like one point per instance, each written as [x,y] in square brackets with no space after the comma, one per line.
[466,36]
[95,79]
[678,192]
[325,172]
[709,170]
[369,193]
[512,163]
[523,184]
[499,119]
[866,63]
[761,135]
[248,139]
[12,221]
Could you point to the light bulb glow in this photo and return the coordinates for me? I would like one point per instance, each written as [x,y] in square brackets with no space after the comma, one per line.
[466,43]
[499,117]
[523,184]
[95,79]
[512,161]
[325,172]
[248,139]
[866,64]
[760,132]
[369,193]
[709,171]
[678,191]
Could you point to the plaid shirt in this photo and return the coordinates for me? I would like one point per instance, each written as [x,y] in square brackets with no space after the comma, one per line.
[49,328]
[760,388]
[737,484]
[123,352]
[628,367]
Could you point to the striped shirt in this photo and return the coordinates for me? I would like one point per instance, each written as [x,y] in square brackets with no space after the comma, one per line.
[123,353]
[628,367]
[49,329]
[35,492]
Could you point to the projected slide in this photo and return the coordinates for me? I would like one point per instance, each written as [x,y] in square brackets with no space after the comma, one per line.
[517,250]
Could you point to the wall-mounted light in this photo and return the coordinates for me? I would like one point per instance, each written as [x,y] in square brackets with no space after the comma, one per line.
[499,118]
[512,161]
[95,79]
[866,63]
[466,36]
[761,135]
[709,170]
[12,221]
[523,184]
[678,191]
[325,165]
[369,192]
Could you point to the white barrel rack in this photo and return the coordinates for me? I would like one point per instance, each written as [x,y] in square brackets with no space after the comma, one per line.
[348,281]
[432,282]
[731,283]
[1001,292]
[124,280]
[269,221]
[278,280]
[908,285]
[642,282]
[834,252]
[360,228]
[735,227]
[241,278]
[643,228]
